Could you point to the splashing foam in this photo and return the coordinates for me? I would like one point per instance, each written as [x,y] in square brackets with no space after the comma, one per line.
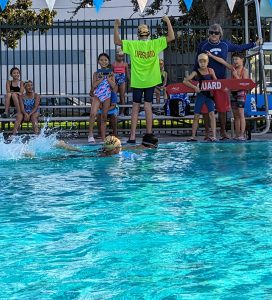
[27,145]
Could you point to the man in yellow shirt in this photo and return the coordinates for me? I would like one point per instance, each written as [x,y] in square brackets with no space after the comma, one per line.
[145,69]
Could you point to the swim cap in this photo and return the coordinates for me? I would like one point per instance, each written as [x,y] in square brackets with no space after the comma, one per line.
[143,30]
[149,140]
[111,142]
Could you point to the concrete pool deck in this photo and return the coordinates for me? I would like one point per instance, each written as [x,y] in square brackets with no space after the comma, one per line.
[166,138]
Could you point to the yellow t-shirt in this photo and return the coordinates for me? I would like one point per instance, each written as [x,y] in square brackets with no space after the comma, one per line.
[144,56]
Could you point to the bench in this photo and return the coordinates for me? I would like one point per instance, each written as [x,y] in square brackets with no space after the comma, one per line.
[49,113]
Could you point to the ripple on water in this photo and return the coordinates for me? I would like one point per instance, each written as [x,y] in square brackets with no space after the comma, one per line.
[188,221]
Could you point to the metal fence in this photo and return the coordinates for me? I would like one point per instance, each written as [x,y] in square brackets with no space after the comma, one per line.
[62,59]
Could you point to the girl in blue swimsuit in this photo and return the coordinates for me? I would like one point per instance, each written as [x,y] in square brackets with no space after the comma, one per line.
[29,103]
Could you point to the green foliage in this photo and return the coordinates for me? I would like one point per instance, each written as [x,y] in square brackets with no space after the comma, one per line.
[18,19]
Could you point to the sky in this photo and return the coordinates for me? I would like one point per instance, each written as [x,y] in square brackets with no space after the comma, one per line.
[110,10]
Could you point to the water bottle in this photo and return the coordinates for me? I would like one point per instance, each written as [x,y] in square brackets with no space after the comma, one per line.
[167,108]
[253,106]
[181,108]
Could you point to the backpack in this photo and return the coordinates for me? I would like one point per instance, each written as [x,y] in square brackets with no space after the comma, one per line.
[178,105]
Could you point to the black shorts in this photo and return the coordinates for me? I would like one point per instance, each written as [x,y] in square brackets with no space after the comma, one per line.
[138,94]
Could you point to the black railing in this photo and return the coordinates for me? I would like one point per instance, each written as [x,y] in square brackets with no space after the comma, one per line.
[62,59]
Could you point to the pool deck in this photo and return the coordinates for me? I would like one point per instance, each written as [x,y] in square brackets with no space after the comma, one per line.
[168,138]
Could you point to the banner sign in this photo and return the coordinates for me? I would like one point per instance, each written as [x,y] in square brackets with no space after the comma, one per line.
[213,85]
[3,4]
[142,4]
[50,4]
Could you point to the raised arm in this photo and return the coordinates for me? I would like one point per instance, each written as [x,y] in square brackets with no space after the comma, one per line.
[117,40]
[170,35]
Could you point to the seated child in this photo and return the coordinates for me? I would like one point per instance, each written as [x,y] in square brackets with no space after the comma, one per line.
[14,89]
[29,109]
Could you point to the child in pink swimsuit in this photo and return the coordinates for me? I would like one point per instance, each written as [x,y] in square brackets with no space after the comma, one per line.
[122,76]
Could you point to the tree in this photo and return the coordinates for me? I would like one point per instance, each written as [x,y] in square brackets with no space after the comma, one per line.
[17,19]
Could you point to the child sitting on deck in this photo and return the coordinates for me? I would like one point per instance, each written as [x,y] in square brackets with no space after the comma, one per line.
[14,89]
[203,97]
[29,109]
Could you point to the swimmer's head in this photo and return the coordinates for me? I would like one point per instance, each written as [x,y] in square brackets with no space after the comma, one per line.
[112,144]
[143,31]
[150,141]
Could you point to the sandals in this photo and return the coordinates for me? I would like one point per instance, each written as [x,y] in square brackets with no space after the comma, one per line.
[129,141]
[224,138]
[191,139]
[212,139]
[91,140]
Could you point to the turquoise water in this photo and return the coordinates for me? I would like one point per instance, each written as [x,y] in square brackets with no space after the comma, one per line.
[186,221]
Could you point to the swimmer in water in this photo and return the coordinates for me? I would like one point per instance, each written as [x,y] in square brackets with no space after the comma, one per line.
[112,146]
[61,144]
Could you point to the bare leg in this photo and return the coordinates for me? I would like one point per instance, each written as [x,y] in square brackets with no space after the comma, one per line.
[7,103]
[15,99]
[122,90]
[242,121]
[158,95]
[113,124]
[148,116]
[236,122]
[98,120]
[19,119]
[223,121]
[104,116]
[195,125]
[213,124]
[94,109]
[35,122]
[134,120]
[206,119]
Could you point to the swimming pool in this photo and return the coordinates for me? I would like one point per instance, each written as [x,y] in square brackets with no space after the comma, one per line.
[186,221]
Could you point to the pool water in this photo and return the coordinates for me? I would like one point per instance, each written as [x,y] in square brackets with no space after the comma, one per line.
[186,221]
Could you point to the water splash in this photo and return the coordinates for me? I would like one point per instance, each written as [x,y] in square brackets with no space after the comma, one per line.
[28,145]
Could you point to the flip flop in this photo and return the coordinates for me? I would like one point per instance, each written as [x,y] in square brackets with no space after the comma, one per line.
[224,138]
[91,140]
[131,141]
[191,140]
[212,139]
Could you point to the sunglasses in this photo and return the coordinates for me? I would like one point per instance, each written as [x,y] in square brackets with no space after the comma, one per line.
[214,32]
